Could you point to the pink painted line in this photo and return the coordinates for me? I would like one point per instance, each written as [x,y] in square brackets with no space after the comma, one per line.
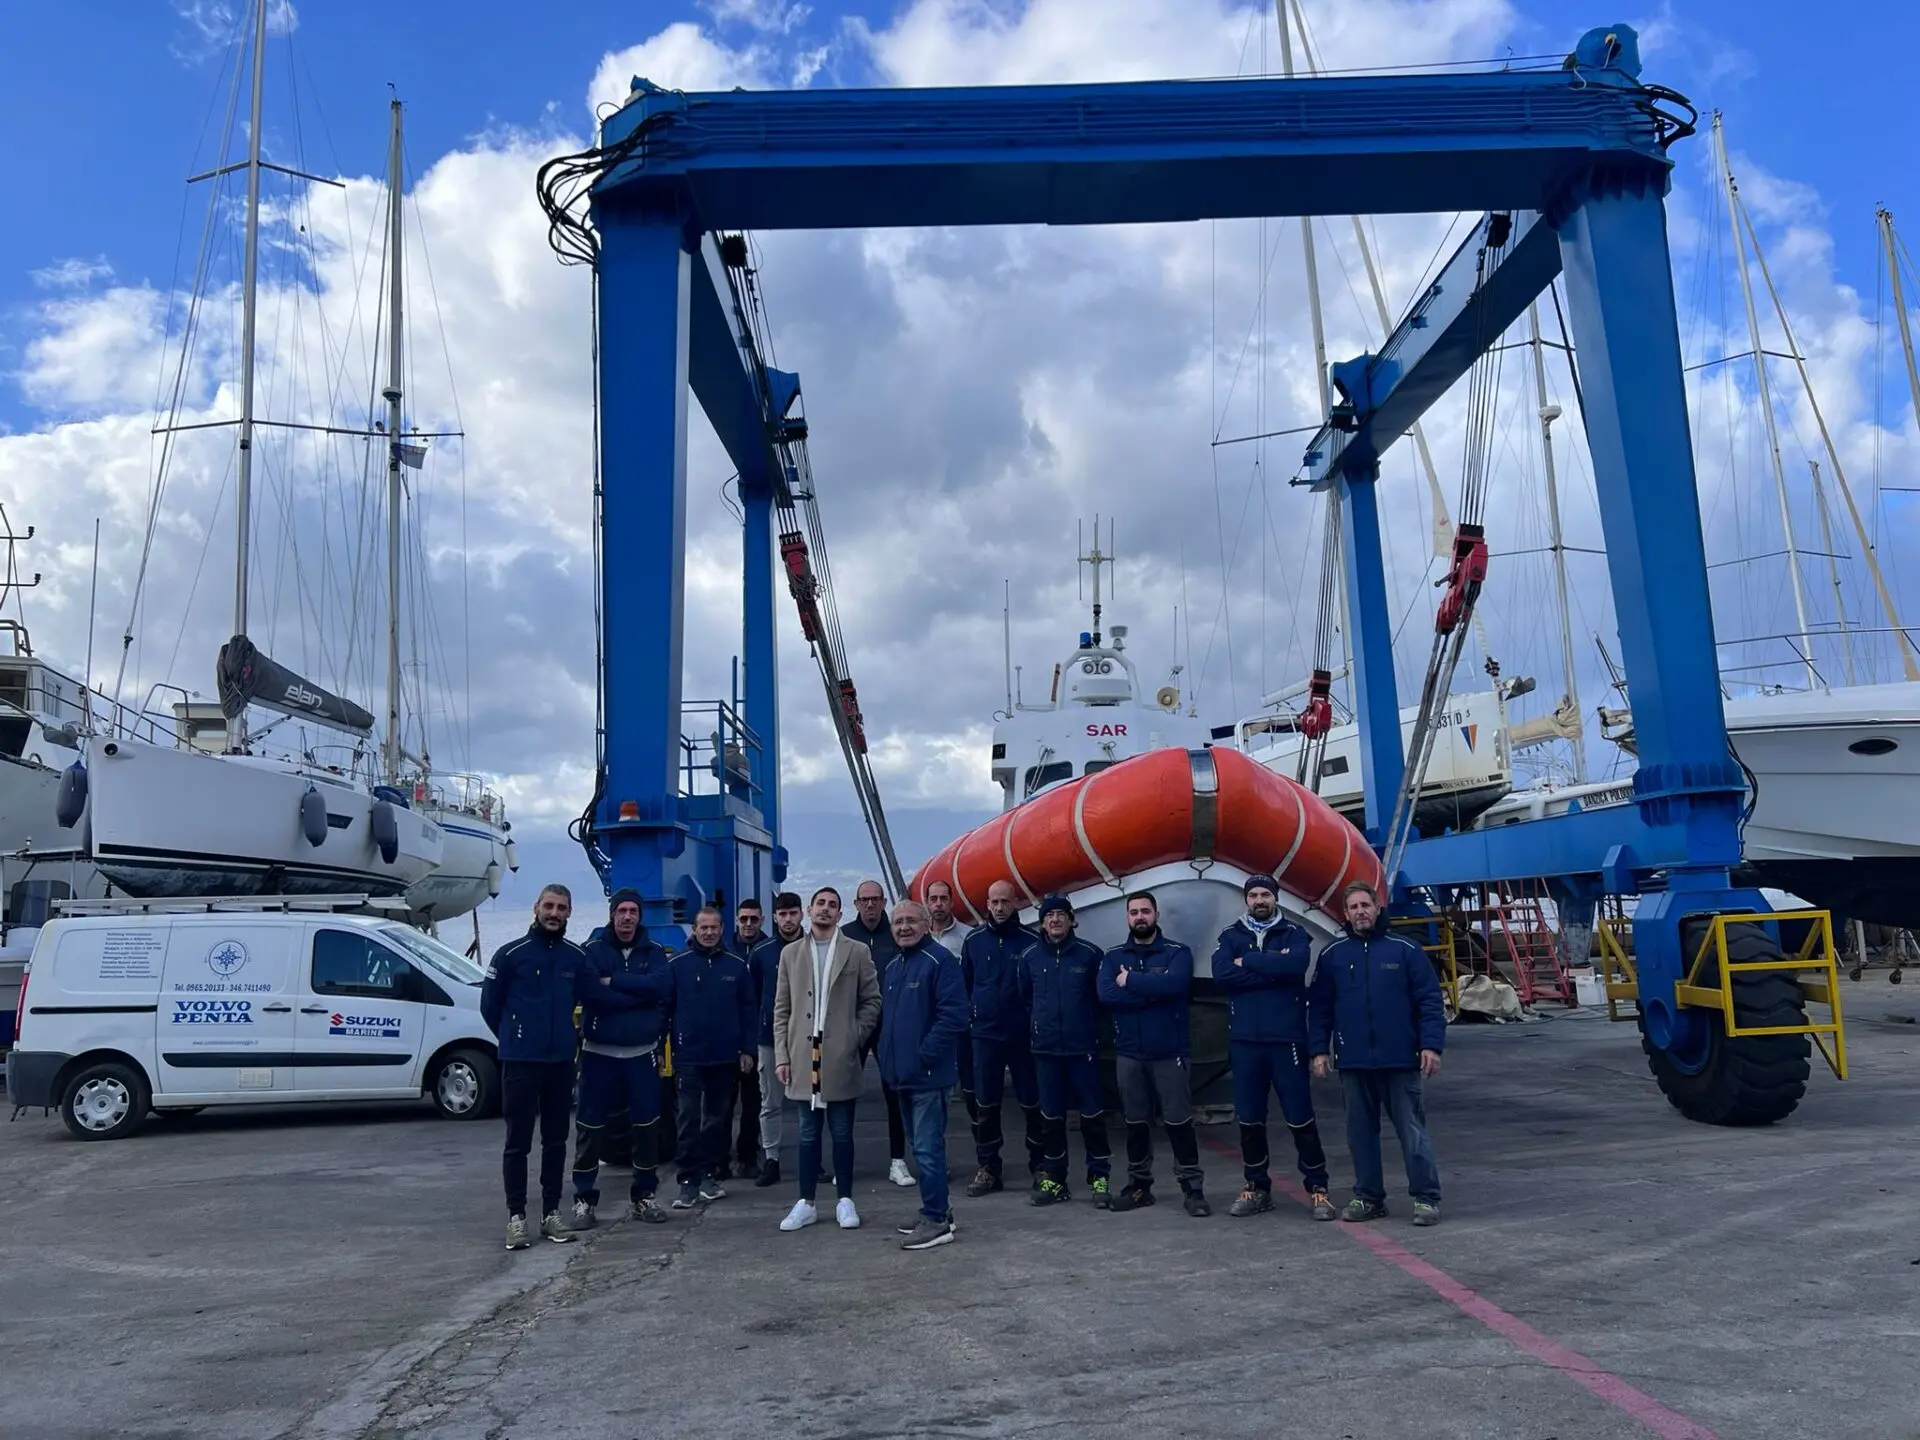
[1667,1424]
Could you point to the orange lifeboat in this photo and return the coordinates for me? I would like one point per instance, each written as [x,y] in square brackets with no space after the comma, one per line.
[1161,808]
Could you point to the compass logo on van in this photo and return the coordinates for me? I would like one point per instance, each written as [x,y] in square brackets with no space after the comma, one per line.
[228,958]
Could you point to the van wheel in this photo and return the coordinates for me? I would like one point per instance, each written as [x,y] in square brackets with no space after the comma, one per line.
[465,1085]
[105,1101]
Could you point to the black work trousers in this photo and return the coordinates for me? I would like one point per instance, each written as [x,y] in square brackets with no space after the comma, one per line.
[533,1090]
[706,1091]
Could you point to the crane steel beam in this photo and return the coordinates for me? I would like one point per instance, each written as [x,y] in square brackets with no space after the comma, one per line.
[1123,153]
[1450,326]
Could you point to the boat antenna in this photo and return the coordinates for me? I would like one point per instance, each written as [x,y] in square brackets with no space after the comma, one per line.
[1095,558]
[1006,637]
[93,601]
[243,490]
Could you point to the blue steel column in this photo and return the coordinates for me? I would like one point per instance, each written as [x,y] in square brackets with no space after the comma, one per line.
[761,650]
[1621,306]
[1376,694]
[644,284]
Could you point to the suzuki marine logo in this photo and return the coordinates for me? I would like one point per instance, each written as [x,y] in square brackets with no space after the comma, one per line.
[366,1027]
[298,694]
[213,1012]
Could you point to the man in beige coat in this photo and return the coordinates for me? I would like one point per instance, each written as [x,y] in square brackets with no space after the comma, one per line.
[826,1006]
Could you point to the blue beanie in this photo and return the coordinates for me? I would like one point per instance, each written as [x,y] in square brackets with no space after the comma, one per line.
[1056,902]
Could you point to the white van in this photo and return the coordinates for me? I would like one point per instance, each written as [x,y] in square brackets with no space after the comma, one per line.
[125,1013]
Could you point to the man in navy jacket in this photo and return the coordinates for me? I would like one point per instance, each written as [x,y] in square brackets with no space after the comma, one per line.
[764,961]
[1261,963]
[716,1029]
[924,1014]
[1059,979]
[1144,983]
[623,1009]
[991,962]
[871,928]
[1375,1006]
[527,1000]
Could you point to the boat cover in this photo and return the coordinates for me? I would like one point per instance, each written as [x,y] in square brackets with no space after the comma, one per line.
[248,677]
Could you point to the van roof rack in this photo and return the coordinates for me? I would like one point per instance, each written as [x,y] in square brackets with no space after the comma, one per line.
[206,904]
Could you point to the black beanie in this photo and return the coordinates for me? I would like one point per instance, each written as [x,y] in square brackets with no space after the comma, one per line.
[624,893]
[1261,882]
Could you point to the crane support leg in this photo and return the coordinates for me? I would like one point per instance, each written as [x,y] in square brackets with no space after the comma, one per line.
[1620,300]
[1376,696]
[644,314]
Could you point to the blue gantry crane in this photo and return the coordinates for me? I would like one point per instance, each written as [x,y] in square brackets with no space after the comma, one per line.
[1570,165]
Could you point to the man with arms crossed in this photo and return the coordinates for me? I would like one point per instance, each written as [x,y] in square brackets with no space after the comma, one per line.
[991,965]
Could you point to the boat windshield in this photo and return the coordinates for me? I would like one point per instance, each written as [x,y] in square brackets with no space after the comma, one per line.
[435,956]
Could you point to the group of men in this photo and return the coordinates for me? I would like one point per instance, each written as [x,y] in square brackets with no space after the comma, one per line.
[943,1007]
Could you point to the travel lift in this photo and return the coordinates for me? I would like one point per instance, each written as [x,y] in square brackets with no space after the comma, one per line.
[1571,162]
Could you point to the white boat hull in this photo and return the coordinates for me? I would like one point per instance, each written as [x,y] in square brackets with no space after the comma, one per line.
[1837,818]
[473,861]
[177,822]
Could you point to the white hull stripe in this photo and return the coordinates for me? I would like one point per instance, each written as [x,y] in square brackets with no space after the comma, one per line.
[1006,854]
[952,877]
[1346,859]
[1299,833]
[1080,830]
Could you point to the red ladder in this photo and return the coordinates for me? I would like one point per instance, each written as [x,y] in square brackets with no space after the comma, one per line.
[1517,933]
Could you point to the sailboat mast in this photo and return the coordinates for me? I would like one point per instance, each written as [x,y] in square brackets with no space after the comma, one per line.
[390,747]
[1900,306]
[1548,413]
[1766,398]
[1314,316]
[1833,568]
[249,286]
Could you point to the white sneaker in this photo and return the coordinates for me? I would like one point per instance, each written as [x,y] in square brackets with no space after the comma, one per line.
[898,1173]
[802,1215]
[848,1217]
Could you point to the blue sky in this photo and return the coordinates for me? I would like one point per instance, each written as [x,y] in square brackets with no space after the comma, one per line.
[954,383]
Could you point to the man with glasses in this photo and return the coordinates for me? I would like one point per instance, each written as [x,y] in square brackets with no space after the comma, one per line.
[748,918]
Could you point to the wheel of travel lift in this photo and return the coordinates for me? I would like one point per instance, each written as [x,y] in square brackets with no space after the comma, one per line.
[1745,1079]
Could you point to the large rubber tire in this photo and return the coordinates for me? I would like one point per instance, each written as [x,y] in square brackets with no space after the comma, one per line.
[1748,1079]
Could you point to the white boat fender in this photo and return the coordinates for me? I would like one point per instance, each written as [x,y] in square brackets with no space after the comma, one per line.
[493,879]
[513,856]
[71,801]
[313,817]
[386,830]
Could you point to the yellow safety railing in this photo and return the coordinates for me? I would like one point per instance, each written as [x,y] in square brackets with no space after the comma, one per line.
[1621,979]
[1441,950]
[1816,954]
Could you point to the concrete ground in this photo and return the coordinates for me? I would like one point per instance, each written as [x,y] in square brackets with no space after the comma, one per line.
[1606,1269]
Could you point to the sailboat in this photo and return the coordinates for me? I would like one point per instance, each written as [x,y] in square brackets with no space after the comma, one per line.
[215,812]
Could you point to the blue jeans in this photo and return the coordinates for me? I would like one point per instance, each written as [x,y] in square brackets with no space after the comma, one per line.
[992,1059]
[607,1084]
[1279,1068]
[839,1118]
[1398,1092]
[923,1114]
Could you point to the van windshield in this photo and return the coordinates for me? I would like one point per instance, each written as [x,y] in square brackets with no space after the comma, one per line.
[435,956]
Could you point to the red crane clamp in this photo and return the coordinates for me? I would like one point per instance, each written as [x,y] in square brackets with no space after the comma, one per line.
[1317,719]
[850,707]
[1464,577]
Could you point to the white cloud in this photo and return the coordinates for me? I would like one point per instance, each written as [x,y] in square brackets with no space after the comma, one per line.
[681,57]
[73,273]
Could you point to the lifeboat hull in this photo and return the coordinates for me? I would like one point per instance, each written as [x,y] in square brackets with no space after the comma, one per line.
[1191,819]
